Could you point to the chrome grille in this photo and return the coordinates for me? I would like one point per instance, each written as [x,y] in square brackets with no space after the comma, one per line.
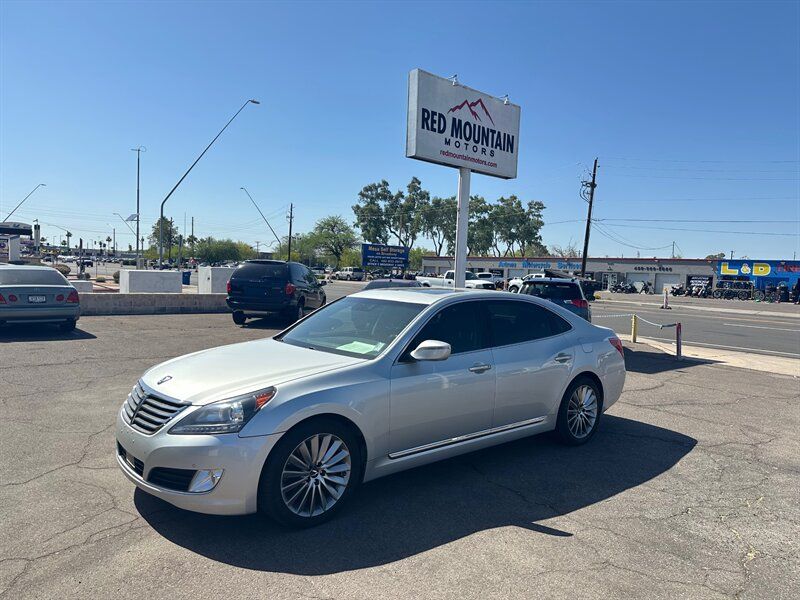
[148,413]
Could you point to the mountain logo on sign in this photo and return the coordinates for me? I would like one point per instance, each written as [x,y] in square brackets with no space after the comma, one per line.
[471,106]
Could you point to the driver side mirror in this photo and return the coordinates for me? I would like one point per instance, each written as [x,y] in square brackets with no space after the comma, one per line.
[431,350]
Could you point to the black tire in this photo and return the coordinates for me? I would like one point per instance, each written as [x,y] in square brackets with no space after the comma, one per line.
[563,429]
[717,294]
[513,289]
[270,497]
[324,301]
[239,318]
[67,325]
[295,313]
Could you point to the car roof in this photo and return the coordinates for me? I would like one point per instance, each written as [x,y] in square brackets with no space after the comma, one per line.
[426,295]
[539,280]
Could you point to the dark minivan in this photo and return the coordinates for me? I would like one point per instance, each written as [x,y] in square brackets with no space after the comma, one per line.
[259,288]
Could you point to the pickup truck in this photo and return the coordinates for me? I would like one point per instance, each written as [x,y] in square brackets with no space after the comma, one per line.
[471,282]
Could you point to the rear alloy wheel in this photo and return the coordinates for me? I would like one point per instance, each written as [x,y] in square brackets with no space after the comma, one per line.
[310,474]
[239,318]
[513,289]
[579,413]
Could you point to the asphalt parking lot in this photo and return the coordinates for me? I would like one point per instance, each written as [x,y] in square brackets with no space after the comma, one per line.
[689,490]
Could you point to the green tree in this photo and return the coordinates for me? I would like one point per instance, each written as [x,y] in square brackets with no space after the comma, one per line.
[212,250]
[718,255]
[438,222]
[530,236]
[480,231]
[370,214]
[334,236]
[170,233]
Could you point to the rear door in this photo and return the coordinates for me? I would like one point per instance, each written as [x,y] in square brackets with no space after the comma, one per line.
[563,293]
[260,282]
[533,352]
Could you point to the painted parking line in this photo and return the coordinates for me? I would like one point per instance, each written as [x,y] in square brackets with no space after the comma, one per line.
[723,347]
[762,327]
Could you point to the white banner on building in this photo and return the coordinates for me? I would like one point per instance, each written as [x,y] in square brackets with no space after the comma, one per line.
[457,126]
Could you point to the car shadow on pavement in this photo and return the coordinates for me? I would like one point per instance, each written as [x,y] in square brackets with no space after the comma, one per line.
[650,362]
[389,519]
[43,332]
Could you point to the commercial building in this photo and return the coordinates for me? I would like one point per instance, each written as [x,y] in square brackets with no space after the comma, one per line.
[658,272]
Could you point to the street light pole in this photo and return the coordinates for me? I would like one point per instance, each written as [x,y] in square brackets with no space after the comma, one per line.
[23,200]
[263,217]
[164,201]
[138,151]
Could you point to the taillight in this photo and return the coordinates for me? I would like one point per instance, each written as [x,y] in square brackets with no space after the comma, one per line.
[581,303]
[290,288]
[2,300]
[73,297]
[229,286]
[60,298]
[617,343]
[12,298]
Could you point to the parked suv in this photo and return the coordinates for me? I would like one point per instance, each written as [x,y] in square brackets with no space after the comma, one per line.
[258,288]
[564,292]
[350,274]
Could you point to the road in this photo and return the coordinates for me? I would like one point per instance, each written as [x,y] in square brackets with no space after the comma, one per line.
[682,494]
[771,332]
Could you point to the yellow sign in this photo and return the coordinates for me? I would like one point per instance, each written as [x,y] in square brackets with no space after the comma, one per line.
[758,269]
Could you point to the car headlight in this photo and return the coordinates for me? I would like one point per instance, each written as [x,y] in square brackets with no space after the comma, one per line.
[225,416]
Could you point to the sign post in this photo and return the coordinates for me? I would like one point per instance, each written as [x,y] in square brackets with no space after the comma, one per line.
[462,222]
[456,126]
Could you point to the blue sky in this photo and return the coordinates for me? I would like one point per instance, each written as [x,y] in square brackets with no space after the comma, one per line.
[692,108]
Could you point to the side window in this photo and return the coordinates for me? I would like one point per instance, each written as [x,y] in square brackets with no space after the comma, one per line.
[296,272]
[459,325]
[310,277]
[515,322]
[557,324]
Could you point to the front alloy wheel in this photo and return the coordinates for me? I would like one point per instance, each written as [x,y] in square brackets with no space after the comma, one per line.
[315,475]
[310,473]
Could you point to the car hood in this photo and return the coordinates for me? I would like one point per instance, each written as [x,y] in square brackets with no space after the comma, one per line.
[227,371]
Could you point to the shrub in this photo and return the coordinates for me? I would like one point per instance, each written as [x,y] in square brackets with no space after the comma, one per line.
[116,276]
[63,269]
[100,279]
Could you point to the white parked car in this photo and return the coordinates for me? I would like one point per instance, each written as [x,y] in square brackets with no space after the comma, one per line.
[372,384]
[350,274]
[515,284]
[497,280]
[471,281]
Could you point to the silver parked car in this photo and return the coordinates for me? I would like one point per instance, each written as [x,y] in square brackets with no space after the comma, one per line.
[34,294]
[374,383]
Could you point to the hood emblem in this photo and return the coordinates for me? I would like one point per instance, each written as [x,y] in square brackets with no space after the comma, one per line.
[164,379]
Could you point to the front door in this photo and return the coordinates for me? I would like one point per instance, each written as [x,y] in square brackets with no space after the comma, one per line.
[435,401]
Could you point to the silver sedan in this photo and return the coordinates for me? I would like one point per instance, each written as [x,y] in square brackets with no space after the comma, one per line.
[372,384]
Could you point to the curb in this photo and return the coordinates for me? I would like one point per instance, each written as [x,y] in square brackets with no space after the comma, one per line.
[776,365]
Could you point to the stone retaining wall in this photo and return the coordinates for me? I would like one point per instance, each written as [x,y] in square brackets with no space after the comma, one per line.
[151,304]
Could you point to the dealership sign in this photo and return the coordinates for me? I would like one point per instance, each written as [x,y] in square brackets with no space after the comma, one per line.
[387,257]
[457,126]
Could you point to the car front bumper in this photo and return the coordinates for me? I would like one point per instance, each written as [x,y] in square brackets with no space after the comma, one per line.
[241,460]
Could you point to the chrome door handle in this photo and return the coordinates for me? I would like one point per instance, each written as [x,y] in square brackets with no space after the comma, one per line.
[479,368]
[563,358]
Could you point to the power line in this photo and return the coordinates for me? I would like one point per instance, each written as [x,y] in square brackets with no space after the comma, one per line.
[693,221]
[769,233]
[667,160]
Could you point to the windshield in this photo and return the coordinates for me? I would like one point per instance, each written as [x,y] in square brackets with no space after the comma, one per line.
[471,275]
[31,277]
[359,327]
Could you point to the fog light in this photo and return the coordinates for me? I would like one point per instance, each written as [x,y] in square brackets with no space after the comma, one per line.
[205,480]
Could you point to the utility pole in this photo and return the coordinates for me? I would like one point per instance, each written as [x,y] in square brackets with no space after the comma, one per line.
[591,187]
[258,254]
[731,254]
[673,248]
[114,233]
[138,151]
[291,217]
